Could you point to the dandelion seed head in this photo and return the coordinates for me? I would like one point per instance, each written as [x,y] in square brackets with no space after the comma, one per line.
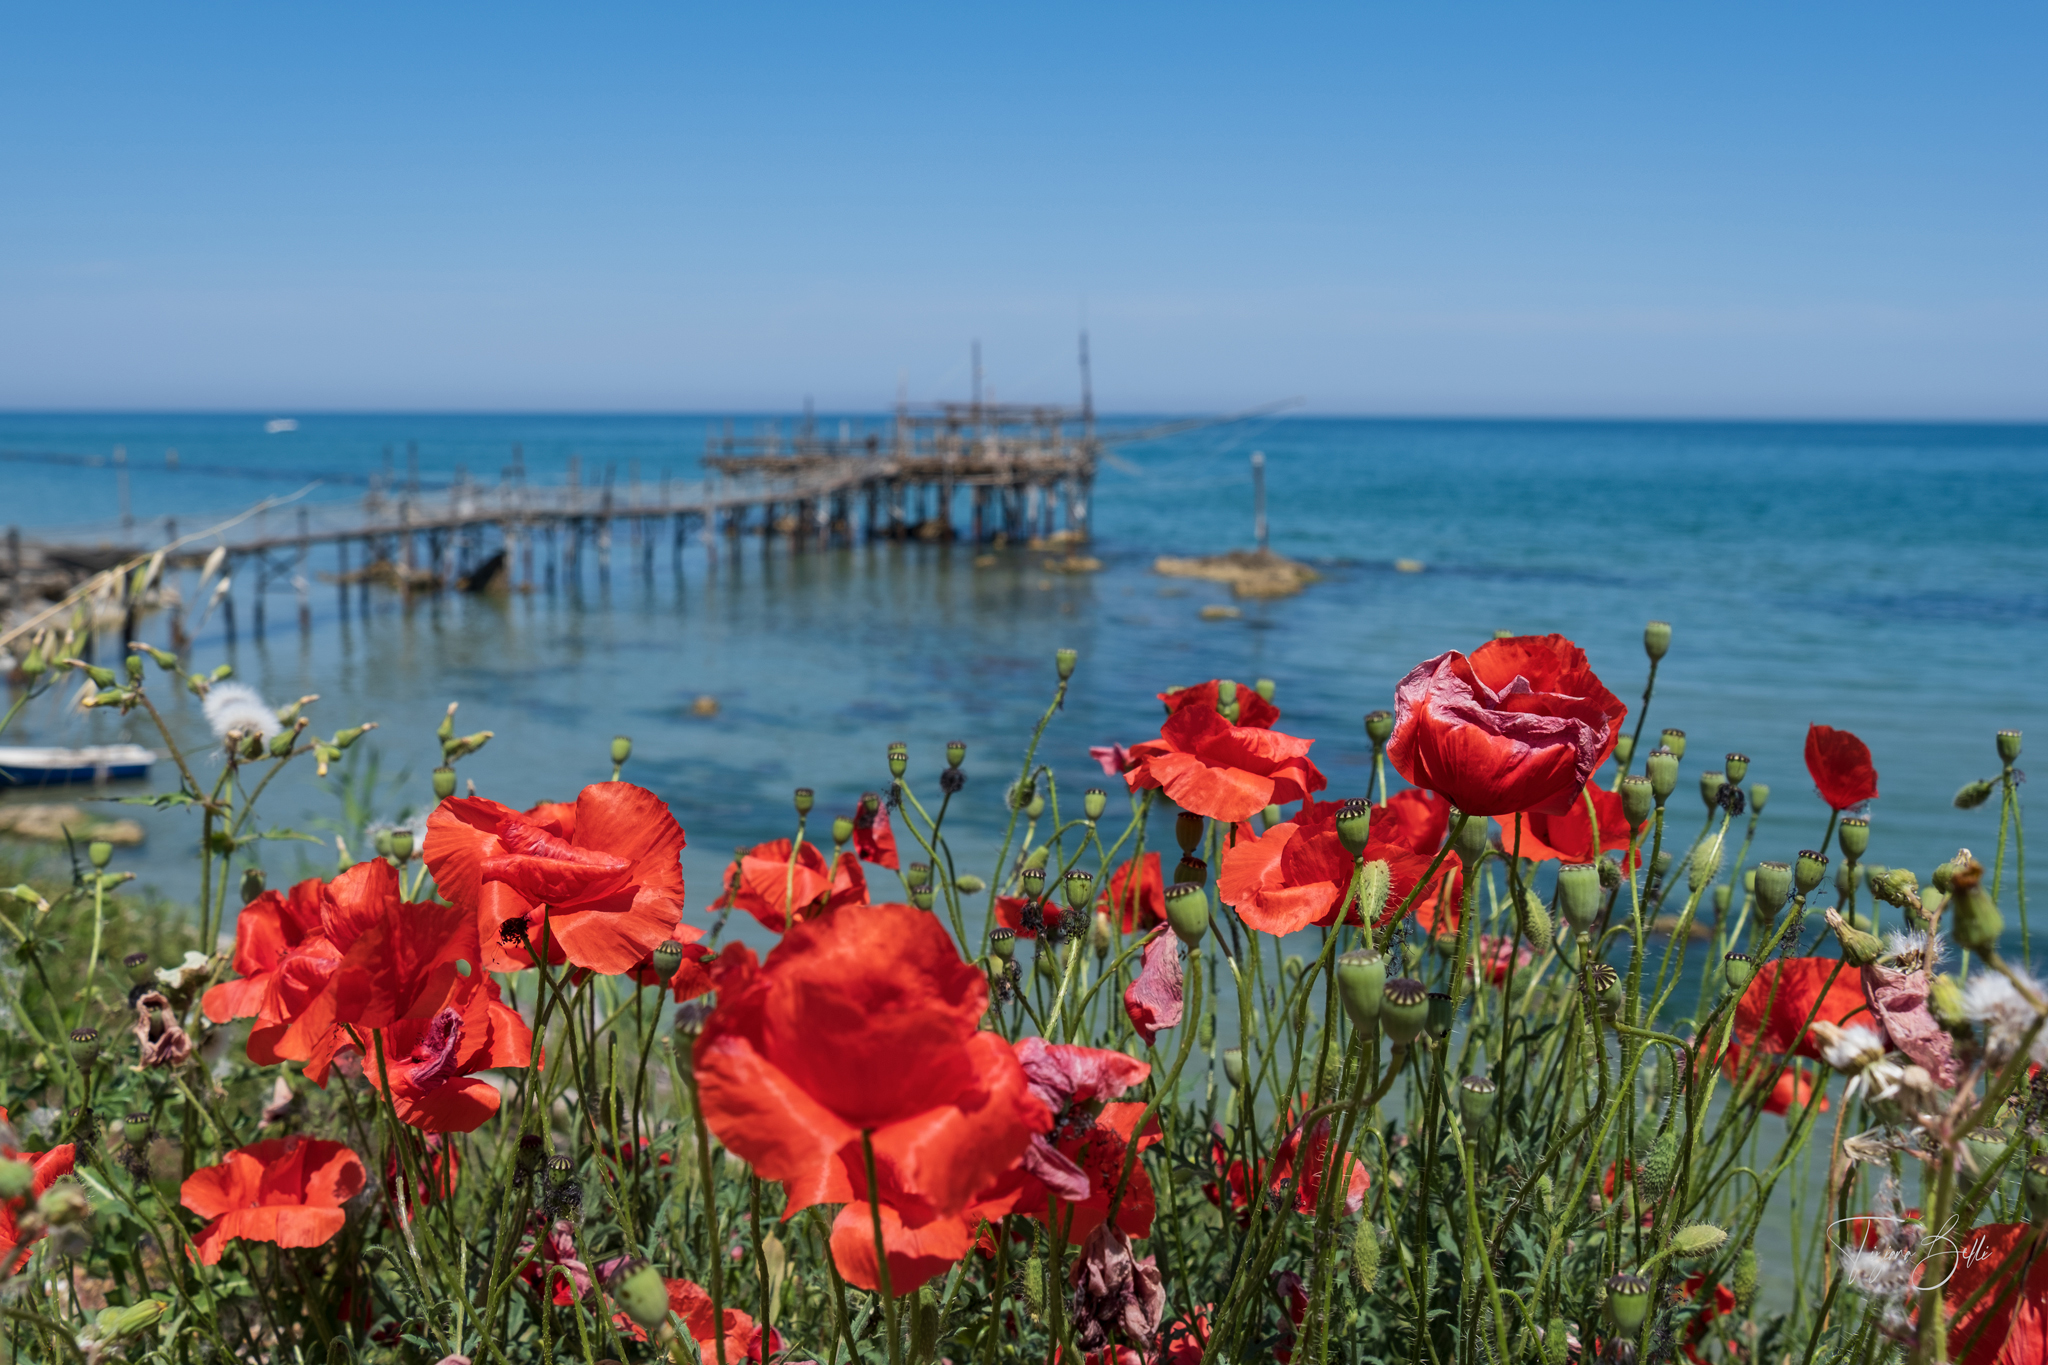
[238,706]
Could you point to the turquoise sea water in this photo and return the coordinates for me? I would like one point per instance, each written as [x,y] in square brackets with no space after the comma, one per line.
[1892,580]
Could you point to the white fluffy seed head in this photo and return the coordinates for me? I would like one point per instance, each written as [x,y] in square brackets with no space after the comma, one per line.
[238,706]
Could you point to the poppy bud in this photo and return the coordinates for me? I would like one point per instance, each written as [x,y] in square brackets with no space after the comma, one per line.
[1187,828]
[919,875]
[1698,1239]
[668,956]
[1404,1009]
[1704,864]
[899,759]
[1375,880]
[1187,910]
[401,844]
[1975,923]
[1807,872]
[1773,887]
[444,782]
[1094,801]
[85,1046]
[1475,1099]
[1365,1256]
[922,898]
[622,749]
[1191,871]
[1468,840]
[1638,799]
[1738,969]
[1628,1301]
[1536,925]
[1656,639]
[1361,982]
[2035,1186]
[1079,887]
[1759,793]
[1064,660]
[639,1290]
[1034,808]
[1710,787]
[1945,1003]
[1743,1282]
[100,852]
[842,830]
[1354,826]
[1974,794]
[1662,769]
[1578,894]
[138,968]
[1379,728]
[1855,837]
[1100,935]
[1233,1066]
[1654,1176]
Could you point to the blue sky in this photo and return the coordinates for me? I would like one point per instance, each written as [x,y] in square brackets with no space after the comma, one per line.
[1735,210]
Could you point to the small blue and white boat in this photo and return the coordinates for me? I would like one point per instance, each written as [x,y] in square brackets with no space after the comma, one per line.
[26,767]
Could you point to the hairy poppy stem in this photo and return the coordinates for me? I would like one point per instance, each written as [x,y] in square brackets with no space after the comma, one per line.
[867,1152]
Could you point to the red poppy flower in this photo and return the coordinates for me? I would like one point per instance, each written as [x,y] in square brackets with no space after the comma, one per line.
[288,1191]
[865,1020]
[1818,986]
[764,883]
[1114,758]
[1313,1151]
[432,1063]
[1070,1171]
[1840,765]
[1568,837]
[600,879]
[1010,914]
[1297,873]
[267,931]
[1153,1000]
[439,1171]
[1494,954]
[1209,767]
[2007,1326]
[1417,820]
[552,1259]
[1254,712]
[1519,725]
[1723,1305]
[48,1167]
[1142,898]
[873,840]
[742,1334]
[1791,1085]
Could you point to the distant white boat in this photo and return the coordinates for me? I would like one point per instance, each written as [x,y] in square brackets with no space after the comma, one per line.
[279,424]
[26,767]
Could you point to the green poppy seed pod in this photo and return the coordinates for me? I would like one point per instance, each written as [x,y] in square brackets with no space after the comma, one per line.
[1854,836]
[1379,727]
[64,1204]
[1475,1099]
[899,758]
[1442,1014]
[1743,1282]
[138,965]
[1094,801]
[1662,769]
[1079,887]
[85,1046]
[1354,826]
[1233,1066]
[2008,746]
[1605,984]
[1187,830]
[1003,943]
[444,782]
[1033,882]
[967,884]
[1578,894]
[1624,748]
[1759,797]
[1711,784]
[1656,639]
[640,1291]
[1556,1346]
[922,898]
[1697,1239]
[1638,799]
[1749,881]
[1738,969]
[1945,1003]
[1404,1010]
[1064,660]
[622,748]
[1808,870]
[1773,888]
[100,852]
[2035,1186]
[842,829]
[1736,767]
[804,798]
[1973,794]
[667,956]
[1974,921]
[135,1130]
[1628,1301]
[1190,871]
[1230,711]
[1365,1256]
[1187,910]
[1270,816]
[1704,864]
[1468,840]
[1411,955]
[917,876]
[1986,1145]
[1361,984]
[1536,925]
[1723,895]
[1265,687]
[1226,692]
[1674,740]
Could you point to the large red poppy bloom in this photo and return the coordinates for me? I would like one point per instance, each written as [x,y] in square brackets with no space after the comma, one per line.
[865,1021]
[1297,873]
[1840,765]
[1417,820]
[1141,898]
[432,1063]
[1520,724]
[1209,767]
[1254,712]
[763,883]
[1569,837]
[2009,1325]
[289,1191]
[692,1303]
[1769,1020]
[1778,1083]
[48,1167]
[600,879]
[1069,1173]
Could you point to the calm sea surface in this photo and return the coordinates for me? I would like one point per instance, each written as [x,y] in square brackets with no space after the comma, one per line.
[1892,580]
